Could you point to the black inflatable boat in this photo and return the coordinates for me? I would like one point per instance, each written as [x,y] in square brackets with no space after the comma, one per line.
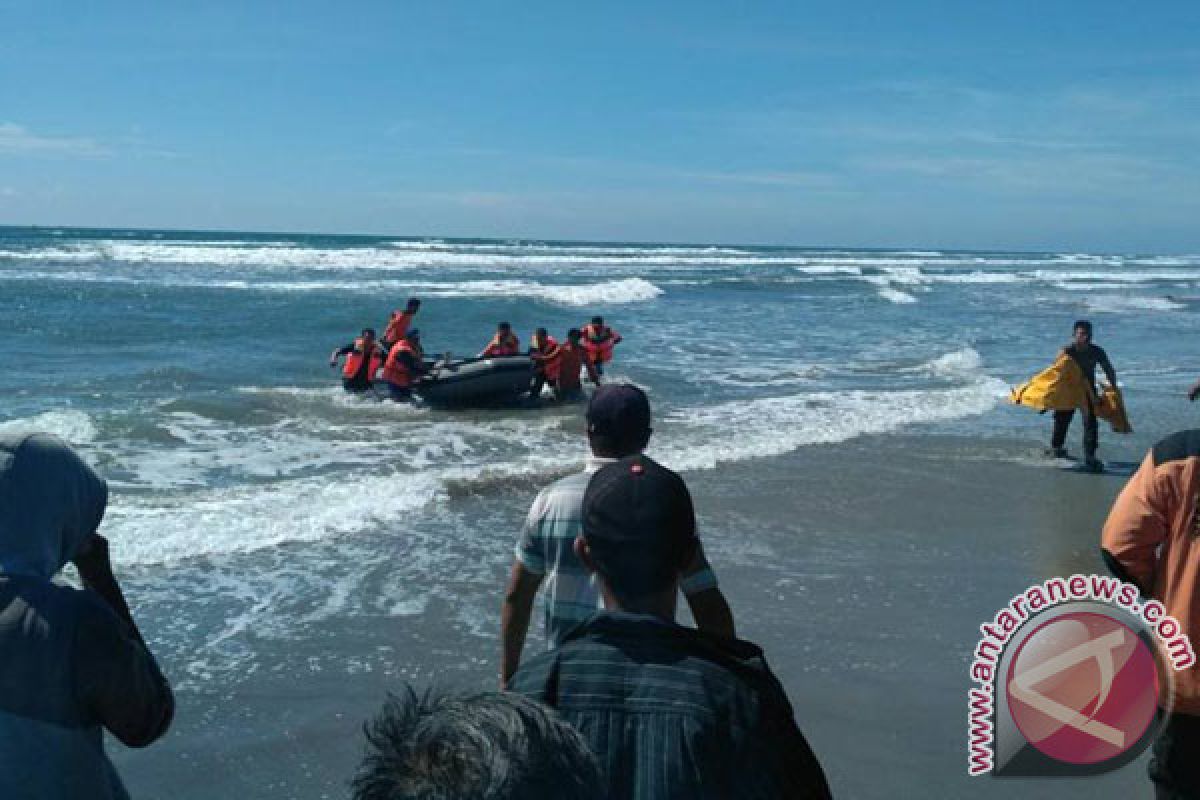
[477,381]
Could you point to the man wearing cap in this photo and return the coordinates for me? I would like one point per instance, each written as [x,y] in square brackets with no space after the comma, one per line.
[618,418]
[669,711]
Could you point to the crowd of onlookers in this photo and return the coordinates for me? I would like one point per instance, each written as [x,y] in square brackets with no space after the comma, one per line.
[625,702]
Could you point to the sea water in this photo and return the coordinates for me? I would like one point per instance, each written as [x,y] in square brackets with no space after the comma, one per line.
[255,505]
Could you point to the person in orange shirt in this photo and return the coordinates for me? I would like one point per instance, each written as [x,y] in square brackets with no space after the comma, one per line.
[405,363]
[399,321]
[573,357]
[599,339]
[545,352]
[504,343]
[1152,540]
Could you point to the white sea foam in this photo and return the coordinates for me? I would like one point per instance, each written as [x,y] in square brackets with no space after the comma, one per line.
[71,426]
[1126,304]
[777,425]
[626,290]
[961,363]
[253,517]
[895,295]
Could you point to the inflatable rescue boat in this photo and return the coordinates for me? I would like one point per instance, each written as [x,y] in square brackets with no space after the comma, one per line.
[489,381]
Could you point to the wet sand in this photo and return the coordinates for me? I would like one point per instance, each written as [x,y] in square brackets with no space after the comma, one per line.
[864,570]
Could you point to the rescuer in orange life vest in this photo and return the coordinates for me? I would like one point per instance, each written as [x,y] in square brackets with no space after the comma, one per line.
[405,363]
[573,357]
[364,357]
[599,339]
[399,322]
[545,352]
[504,343]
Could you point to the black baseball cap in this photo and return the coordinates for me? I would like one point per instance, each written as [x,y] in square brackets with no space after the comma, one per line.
[639,524]
[618,411]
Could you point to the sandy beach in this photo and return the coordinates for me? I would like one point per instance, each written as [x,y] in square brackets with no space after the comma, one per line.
[863,569]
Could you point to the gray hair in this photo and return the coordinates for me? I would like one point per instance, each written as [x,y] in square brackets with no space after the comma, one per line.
[487,746]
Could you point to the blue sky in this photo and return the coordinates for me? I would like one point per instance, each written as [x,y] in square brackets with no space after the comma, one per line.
[1068,125]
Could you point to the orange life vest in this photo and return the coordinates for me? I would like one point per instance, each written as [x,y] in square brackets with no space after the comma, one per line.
[354,360]
[547,353]
[599,341]
[571,359]
[398,326]
[395,371]
[506,346]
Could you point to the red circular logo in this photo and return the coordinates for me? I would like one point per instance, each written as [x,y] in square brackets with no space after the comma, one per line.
[1083,688]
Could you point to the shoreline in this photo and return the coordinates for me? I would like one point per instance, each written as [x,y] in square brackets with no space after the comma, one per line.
[863,569]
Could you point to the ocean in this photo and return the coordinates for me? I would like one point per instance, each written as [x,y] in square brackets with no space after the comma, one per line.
[288,547]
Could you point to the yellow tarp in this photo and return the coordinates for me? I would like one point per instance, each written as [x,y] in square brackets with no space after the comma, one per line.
[1062,387]
[1112,408]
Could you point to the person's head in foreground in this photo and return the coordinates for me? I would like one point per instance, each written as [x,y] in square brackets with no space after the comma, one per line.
[412,305]
[639,533]
[73,661]
[1082,333]
[368,335]
[598,321]
[504,328]
[618,421]
[486,746]
[574,335]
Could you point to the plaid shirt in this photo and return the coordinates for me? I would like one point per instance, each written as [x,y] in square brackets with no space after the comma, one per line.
[546,547]
[672,712]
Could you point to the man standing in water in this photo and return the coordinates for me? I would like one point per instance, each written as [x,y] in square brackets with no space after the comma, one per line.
[1087,356]
[572,357]
[398,323]
[364,357]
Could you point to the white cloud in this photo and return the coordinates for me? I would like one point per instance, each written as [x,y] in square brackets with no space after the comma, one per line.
[18,140]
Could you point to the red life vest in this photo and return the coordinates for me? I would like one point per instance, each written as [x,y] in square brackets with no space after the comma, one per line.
[599,340]
[547,354]
[507,346]
[354,360]
[395,371]
[397,326]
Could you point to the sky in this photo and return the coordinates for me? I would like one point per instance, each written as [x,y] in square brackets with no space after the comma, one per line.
[1015,125]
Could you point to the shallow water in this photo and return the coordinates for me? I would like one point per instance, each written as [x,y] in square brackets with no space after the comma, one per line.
[255,505]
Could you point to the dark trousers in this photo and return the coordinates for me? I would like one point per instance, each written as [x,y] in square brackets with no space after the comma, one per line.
[1091,430]
[1174,765]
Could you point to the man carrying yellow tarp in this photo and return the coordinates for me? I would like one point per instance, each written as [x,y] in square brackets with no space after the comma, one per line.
[1069,384]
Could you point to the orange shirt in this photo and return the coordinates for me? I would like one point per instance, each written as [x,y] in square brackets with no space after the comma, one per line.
[570,360]
[1152,533]
[398,326]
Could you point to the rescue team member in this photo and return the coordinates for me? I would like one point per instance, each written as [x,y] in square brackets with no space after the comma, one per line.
[1087,356]
[1150,540]
[599,339]
[405,363]
[573,357]
[545,352]
[399,322]
[504,343]
[364,357]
